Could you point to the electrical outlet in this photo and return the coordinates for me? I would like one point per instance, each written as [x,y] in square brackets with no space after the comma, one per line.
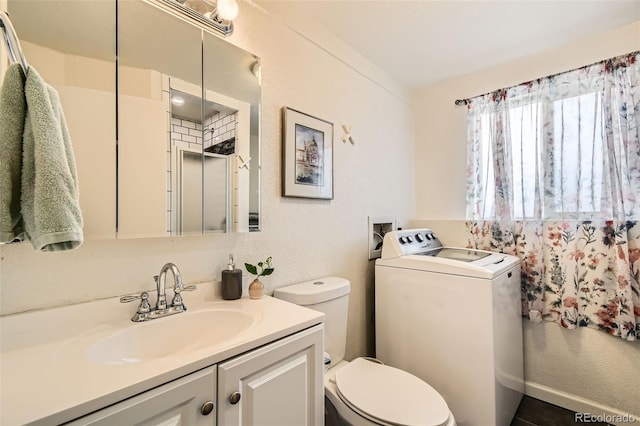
[378,226]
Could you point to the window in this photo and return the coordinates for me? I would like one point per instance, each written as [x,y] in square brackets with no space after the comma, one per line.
[550,160]
[578,157]
[560,147]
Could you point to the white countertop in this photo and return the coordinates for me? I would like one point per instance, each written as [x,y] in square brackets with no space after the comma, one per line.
[45,380]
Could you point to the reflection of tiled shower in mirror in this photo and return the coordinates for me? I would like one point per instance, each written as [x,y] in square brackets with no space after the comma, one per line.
[195,147]
[220,132]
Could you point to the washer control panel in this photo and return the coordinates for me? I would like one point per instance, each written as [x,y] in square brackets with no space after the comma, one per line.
[409,241]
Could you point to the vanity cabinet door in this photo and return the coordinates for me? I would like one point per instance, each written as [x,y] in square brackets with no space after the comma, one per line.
[279,384]
[186,401]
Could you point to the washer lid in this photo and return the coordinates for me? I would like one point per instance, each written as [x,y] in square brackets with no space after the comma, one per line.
[390,395]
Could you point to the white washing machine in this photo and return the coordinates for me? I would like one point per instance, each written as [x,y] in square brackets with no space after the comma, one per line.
[452,316]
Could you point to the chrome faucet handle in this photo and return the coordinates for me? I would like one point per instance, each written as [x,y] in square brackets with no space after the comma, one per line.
[177,298]
[143,308]
[186,288]
[144,300]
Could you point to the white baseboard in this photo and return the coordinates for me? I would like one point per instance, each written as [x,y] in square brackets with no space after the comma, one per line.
[578,404]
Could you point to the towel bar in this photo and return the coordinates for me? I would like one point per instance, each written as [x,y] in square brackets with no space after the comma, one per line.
[10,37]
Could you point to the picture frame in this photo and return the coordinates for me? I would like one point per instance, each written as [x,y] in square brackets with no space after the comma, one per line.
[307,156]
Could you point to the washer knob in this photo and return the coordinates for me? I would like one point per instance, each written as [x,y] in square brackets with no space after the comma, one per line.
[409,239]
[419,238]
[402,240]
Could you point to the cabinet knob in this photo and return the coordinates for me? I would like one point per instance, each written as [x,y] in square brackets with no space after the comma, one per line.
[207,408]
[234,398]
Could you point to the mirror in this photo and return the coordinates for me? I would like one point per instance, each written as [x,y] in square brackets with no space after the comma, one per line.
[71,44]
[238,88]
[188,128]
[136,179]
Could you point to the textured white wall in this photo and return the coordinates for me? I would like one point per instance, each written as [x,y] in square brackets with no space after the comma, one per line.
[307,238]
[584,370]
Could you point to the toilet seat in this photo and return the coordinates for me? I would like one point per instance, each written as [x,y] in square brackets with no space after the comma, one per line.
[390,396]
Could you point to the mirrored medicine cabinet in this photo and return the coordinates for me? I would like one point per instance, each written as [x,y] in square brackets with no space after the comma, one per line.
[166,138]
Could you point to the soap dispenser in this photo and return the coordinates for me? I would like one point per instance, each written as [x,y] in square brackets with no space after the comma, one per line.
[231,281]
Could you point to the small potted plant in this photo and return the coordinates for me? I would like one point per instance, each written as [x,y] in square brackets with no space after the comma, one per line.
[262,269]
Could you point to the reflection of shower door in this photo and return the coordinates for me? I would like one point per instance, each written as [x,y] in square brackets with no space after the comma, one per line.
[217,202]
[214,201]
[189,209]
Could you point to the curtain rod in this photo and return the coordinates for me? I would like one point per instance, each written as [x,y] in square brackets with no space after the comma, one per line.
[465,101]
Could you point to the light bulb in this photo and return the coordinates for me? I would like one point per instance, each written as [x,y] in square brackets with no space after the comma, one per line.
[227,9]
[177,100]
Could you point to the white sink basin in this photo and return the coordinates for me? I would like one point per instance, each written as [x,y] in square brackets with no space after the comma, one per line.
[171,336]
[163,337]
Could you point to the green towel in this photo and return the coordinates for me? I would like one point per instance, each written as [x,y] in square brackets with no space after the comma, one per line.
[49,201]
[12,114]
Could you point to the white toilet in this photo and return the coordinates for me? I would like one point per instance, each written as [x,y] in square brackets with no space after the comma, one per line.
[363,391]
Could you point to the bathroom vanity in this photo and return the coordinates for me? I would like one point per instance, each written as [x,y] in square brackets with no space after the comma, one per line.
[221,362]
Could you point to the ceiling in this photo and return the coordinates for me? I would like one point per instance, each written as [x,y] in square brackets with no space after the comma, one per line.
[420,42]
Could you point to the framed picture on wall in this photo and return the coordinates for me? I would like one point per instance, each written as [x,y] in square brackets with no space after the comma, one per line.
[307,156]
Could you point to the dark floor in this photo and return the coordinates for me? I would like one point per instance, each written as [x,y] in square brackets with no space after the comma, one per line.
[533,412]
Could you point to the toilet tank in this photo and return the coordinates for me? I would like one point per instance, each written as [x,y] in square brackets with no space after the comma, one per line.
[329,295]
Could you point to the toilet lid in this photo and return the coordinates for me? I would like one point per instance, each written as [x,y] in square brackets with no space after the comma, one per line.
[387,394]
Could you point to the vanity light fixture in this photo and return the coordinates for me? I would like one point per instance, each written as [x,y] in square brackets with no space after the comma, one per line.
[227,9]
[215,14]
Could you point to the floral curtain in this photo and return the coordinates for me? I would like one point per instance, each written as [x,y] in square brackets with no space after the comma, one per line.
[554,178]
[575,273]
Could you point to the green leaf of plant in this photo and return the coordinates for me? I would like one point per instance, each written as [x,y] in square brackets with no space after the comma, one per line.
[251,268]
[267,271]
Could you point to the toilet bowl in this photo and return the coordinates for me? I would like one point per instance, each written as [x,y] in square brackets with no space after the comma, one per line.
[364,391]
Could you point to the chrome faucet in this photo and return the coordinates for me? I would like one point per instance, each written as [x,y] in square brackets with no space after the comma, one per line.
[161,284]
[144,312]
